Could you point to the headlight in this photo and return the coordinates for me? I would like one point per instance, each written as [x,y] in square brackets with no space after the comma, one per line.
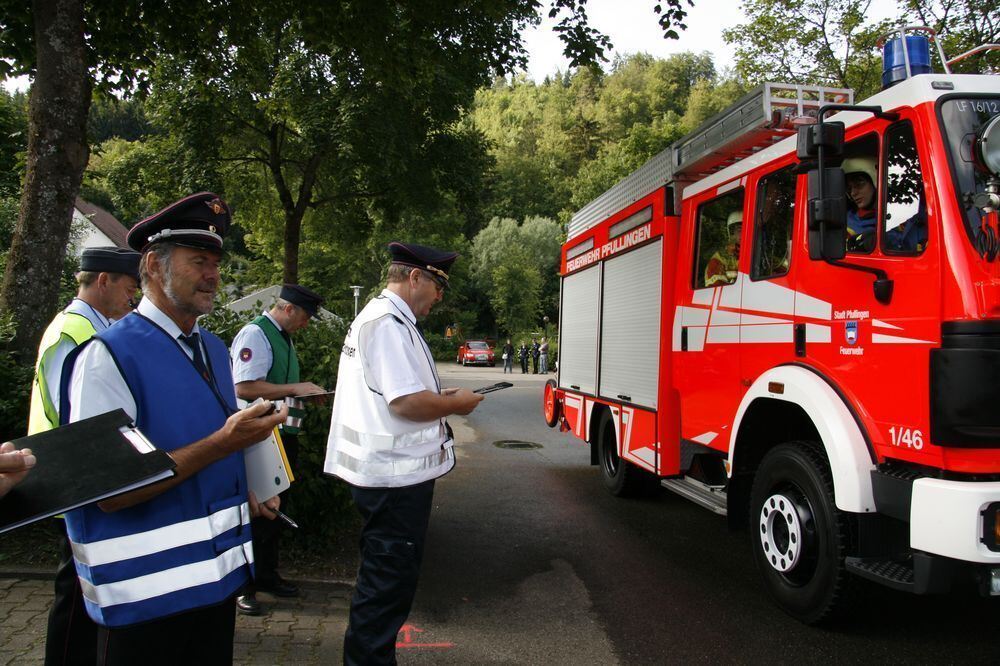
[991,526]
[987,148]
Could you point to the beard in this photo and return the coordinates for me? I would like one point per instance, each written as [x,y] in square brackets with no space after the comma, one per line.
[190,306]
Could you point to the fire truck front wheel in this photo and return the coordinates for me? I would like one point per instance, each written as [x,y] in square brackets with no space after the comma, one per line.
[621,478]
[799,537]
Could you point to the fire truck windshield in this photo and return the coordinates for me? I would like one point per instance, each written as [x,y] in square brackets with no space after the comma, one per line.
[963,120]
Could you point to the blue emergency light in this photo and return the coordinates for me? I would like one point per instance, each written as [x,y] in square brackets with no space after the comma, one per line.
[918,48]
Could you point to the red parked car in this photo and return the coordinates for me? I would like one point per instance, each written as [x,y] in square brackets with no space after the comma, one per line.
[476,352]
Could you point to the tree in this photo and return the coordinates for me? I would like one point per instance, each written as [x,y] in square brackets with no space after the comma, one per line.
[962,25]
[57,155]
[71,45]
[831,41]
[824,42]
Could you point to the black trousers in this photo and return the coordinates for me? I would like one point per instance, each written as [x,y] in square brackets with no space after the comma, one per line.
[392,547]
[202,636]
[71,638]
[267,533]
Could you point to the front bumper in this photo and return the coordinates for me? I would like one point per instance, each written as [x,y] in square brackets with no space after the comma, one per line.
[946,518]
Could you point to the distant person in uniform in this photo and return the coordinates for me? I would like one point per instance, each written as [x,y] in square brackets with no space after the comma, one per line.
[522,356]
[265,365]
[389,440]
[535,354]
[723,266]
[108,282]
[161,565]
[508,358]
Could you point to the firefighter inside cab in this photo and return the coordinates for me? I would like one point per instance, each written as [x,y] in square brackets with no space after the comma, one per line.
[862,216]
[723,265]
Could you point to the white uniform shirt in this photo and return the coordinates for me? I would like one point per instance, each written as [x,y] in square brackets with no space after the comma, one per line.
[54,365]
[97,386]
[392,366]
[251,353]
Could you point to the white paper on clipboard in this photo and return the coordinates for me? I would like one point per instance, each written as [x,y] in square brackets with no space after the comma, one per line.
[268,470]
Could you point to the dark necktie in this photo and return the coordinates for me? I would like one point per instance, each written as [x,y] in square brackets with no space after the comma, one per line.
[199,361]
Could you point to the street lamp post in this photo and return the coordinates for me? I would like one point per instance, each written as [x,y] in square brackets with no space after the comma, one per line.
[545,319]
[357,292]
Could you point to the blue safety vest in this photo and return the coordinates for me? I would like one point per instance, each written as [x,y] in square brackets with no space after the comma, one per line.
[190,546]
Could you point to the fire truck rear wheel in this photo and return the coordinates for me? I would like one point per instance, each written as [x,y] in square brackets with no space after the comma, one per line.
[550,406]
[621,478]
[799,537]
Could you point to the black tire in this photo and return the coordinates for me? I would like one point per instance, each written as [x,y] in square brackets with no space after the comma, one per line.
[551,407]
[621,478]
[798,536]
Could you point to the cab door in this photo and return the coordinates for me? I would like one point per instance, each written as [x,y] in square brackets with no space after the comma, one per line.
[707,320]
[878,352]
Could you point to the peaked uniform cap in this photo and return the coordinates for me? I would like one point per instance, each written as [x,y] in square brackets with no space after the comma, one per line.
[200,221]
[110,260]
[305,298]
[436,262]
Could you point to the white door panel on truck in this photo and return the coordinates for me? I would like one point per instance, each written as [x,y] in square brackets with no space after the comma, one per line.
[630,341]
[578,330]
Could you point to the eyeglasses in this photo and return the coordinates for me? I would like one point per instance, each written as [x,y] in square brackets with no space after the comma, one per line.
[438,282]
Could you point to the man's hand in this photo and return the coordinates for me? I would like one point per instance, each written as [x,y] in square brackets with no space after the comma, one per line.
[263,509]
[251,425]
[464,400]
[14,466]
[305,388]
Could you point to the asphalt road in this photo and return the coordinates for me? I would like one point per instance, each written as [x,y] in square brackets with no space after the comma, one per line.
[531,561]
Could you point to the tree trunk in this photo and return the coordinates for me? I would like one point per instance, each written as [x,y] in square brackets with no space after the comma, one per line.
[57,156]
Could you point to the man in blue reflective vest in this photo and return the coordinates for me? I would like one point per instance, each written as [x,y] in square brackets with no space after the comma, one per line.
[160,567]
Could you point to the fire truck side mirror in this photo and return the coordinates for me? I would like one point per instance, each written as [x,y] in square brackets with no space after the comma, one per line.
[827,214]
[828,135]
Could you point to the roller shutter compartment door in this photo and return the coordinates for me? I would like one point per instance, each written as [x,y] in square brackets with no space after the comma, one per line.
[578,330]
[630,340]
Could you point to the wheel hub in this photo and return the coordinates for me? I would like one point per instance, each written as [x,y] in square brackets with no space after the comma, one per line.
[781,533]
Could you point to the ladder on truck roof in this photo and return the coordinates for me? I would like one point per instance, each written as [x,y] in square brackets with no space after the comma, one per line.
[763,117]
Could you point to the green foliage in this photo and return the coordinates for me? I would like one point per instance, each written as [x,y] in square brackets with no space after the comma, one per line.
[828,42]
[517,266]
[13,141]
[319,501]
[16,380]
[558,145]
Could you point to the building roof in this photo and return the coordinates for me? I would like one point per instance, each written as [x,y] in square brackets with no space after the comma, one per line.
[107,223]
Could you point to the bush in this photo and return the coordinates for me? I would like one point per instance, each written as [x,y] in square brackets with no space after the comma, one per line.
[319,502]
[16,380]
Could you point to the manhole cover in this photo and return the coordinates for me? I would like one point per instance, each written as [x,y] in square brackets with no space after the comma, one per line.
[516,444]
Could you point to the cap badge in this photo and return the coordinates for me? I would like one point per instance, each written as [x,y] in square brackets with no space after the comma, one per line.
[216,206]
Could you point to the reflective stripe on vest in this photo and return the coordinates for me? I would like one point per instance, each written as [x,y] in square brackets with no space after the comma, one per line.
[164,582]
[139,544]
[42,415]
[368,445]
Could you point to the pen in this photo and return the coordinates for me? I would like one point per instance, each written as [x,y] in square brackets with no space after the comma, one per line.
[284,517]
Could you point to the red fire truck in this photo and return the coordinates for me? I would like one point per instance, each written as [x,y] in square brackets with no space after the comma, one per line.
[791,316]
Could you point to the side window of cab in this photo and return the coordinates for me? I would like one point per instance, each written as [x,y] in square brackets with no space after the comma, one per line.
[717,246]
[861,179]
[773,216]
[904,229]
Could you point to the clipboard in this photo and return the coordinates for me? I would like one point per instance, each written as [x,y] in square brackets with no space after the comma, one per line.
[268,469]
[81,463]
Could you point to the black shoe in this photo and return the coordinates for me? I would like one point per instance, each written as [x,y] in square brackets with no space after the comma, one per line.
[247,604]
[277,586]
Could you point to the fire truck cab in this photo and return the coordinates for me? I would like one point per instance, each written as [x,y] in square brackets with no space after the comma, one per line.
[797,324]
